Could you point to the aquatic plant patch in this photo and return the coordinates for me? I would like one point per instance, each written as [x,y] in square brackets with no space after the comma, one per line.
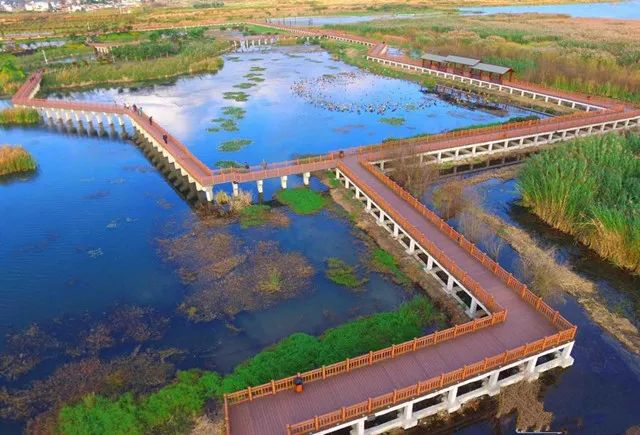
[238,96]
[15,159]
[234,111]
[19,116]
[343,274]
[392,121]
[256,215]
[382,261]
[302,200]
[234,145]
[245,85]
[223,164]
[590,188]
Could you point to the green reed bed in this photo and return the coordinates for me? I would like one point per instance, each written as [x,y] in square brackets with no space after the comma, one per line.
[590,188]
[15,160]
[19,116]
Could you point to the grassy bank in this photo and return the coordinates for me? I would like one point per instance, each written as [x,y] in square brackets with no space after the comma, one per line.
[14,160]
[590,188]
[172,408]
[198,57]
[552,50]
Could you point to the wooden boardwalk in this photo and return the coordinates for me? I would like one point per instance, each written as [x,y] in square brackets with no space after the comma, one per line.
[272,414]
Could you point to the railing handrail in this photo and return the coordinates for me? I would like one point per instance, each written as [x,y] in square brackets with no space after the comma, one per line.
[345,366]
[421,388]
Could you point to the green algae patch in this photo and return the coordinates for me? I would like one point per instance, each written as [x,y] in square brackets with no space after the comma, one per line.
[224,164]
[302,200]
[255,215]
[383,262]
[343,274]
[233,145]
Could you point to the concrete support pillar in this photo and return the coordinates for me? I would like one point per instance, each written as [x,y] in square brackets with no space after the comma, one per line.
[429,263]
[260,185]
[235,188]
[86,117]
[471,312]
[449,283]
[492,384]
[357,428]
[412,247]
[369,204]
[452,400]
[109,119]
[566,359]
[347,183]
[76,116]
[381,218]
[208,191]
[406,415]
[305,178]
[382,166]
[530,369]
[358,193]
[283,181]
[396,230]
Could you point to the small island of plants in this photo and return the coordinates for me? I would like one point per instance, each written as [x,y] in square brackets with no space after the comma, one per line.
[15,159]
[19,116]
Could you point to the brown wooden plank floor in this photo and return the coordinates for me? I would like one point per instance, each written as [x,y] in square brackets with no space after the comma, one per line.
[271,414]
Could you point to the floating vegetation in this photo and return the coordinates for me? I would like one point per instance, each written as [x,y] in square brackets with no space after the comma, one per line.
[259,214]
[238,96]
[343,274]
[225,124]
[136,373]
[236,280]
[15,159]
[337,93]
[19,116]
[257,68]
[234,145]
[233,111]
[37,343]
[252,75]
[302,200]
[245,85]
[222,164]
[256,79]
[392,121]
[383,262]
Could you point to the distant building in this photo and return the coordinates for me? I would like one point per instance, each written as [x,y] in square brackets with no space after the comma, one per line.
[467,66]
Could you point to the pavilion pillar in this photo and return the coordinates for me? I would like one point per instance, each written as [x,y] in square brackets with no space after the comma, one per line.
[406,414]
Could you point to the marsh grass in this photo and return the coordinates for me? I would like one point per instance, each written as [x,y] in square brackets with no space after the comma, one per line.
[343,274]
[19,116]
[15,159]
[590,188]
[302,200]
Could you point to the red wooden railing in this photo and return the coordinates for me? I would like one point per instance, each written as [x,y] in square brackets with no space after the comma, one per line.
[324,372]
[422,388]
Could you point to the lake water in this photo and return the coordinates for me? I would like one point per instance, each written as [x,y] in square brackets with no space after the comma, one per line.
[81,235]
[597,395]
[623,10]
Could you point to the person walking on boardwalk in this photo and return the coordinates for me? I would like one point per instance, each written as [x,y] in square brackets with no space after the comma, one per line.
[151,120]
[164,138]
